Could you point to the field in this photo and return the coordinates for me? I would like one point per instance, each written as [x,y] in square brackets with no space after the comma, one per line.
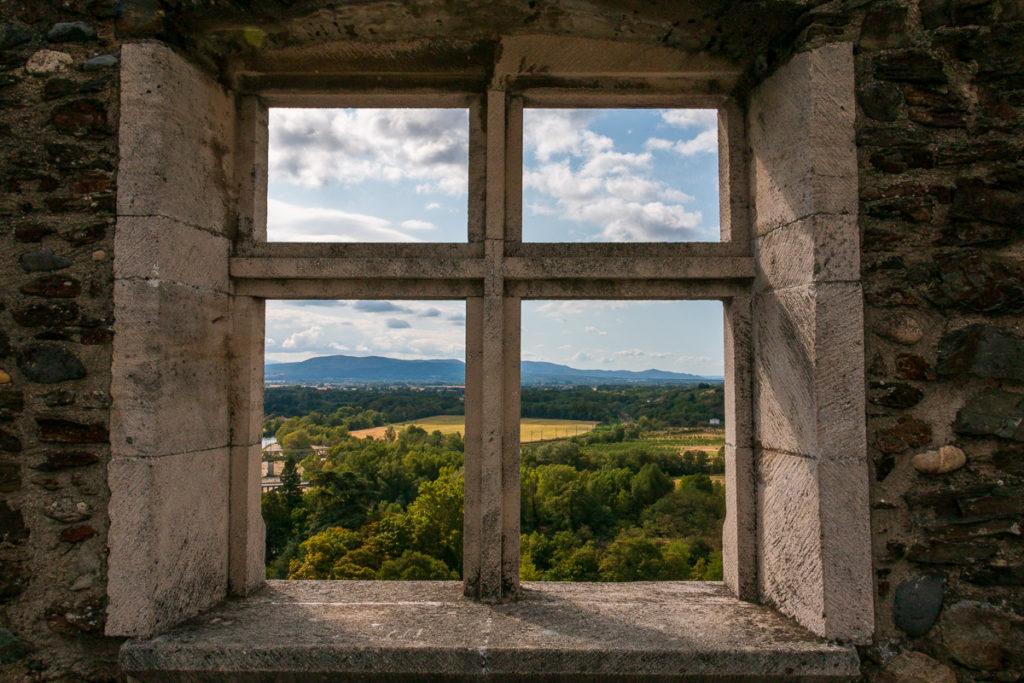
[530,429]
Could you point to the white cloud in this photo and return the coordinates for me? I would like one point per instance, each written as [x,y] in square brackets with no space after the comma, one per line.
[292,223]
[355,329]
[594,330]
[313,147]
[706,142]
[591,183]
[418,225]
[378,307]
[432,206]
[305,339]
[686,118]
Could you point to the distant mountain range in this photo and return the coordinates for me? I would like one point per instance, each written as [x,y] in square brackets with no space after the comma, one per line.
[381,370]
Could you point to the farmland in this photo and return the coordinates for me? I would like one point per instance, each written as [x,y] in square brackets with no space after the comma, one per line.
[530,429]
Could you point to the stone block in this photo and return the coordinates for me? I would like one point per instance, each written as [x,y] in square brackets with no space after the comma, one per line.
[821,248]
[982,351]
[738,354]
[246,561]
[789,530]
[168,539]
[813,532]
[739,554]
[848,588]
[176,136]
[170,369]
[809,371]
[158,248]
[800,126]
[992,413]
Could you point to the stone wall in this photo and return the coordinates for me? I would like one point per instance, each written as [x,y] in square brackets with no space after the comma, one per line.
[940,89]
[941,103]
[58,164]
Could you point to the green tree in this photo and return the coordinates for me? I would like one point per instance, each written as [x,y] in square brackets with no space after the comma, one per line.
[436,516]
[415,566]
[291,488]
[632,557]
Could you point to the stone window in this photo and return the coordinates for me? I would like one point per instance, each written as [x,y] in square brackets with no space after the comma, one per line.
[193,267]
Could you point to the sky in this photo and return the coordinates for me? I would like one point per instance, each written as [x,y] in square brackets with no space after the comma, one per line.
[589,175]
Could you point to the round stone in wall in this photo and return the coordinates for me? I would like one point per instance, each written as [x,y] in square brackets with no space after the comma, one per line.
[941,461]
[48,363]
[917,603]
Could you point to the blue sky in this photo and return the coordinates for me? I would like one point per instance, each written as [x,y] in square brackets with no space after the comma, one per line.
[589,175]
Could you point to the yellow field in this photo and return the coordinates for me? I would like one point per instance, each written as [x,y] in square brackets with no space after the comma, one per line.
[530,429]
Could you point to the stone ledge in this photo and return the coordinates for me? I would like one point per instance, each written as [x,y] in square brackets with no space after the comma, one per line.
[377,630]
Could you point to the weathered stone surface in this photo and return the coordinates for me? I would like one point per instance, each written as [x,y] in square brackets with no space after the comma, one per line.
[992,412]
[157,407]
[14,34]
[982,351]
[12,525]
[69,431]
[911,366]
[139,18]
[901,158]
[913,66]
[81,118]
[1009,458]
[976,201]
[71,32]
[894,395]
[31,232]
[83,235]
[67,510]
[47,62]
[941,461]
[43,260]
[996,575]
[908,432]
[77,534]
[964,553]
[48,363]
[76,617]
[100,62]
[916,667]
[12,401]
[53,286]
[160,572]
[640,631]
[5,344]
[881,101]
[974,283]
[978,635]
[885,27]
[47,314]
[153,137]
[9,442]
[917,603]
[10,477]
[11,647]
[999,502]
[63,460]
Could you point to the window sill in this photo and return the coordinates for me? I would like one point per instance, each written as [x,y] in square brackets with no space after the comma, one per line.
[367,630]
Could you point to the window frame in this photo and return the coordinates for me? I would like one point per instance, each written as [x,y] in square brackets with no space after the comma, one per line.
[495,270]
[190,277]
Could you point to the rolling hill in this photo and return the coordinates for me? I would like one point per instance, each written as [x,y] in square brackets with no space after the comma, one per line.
[381,370]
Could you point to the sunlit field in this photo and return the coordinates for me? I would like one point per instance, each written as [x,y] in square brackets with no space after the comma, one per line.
[530,429]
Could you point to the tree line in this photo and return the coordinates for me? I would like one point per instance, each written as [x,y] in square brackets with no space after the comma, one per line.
[603,506]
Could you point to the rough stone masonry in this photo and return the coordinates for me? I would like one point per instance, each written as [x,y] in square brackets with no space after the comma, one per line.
[940,95]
